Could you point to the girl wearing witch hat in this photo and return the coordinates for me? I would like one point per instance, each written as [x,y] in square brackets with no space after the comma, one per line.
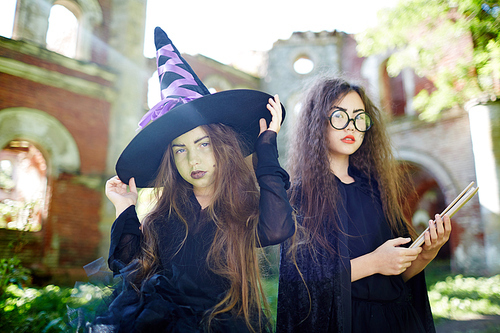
[192,265]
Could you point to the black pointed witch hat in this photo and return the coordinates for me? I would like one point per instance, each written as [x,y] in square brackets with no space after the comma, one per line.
[186,104]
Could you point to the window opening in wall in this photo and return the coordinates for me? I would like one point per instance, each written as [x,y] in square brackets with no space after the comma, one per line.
[23,186]
[154,95]
[62,34]
[7,15]
[394,95]
[297,108]
[303,65]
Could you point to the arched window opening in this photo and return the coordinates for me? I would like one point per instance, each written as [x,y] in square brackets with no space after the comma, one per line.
[393,92]
[154,95]
[62,35]
[297,107]
[23,186]
[7,18]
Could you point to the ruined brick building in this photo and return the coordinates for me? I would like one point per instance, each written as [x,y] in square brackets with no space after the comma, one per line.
[65,117]
[443,156]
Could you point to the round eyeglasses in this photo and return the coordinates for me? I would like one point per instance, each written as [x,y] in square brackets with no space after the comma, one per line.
[339,119]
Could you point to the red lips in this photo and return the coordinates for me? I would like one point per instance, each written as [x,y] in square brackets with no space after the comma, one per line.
[198,174]
[348,139]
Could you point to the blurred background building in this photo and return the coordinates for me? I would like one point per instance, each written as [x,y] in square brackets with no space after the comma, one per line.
[70,100]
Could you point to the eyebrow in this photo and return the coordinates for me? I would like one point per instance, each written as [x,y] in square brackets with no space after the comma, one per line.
[195,141]
[344,109]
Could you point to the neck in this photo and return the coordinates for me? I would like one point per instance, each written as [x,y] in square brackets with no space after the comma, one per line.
[204,196]
[339,165]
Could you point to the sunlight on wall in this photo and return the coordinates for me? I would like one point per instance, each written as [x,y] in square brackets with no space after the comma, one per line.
[487,177]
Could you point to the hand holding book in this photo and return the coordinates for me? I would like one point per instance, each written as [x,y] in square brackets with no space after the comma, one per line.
[452,208]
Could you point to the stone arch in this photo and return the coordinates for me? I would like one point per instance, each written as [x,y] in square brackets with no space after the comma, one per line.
[442,176]
[433,190]
[46,131]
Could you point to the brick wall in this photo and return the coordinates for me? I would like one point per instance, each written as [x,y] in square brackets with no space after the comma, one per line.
[70,234]
[74,214]
[85,118]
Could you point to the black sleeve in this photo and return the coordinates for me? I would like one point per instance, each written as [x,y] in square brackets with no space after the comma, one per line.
[125,239]
[276,222]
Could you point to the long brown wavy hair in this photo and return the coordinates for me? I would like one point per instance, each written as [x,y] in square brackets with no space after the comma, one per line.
[235,211]
[314,184]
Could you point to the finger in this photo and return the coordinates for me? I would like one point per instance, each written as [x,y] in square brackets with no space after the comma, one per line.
[263,125]
[412,257]
[407,264]
[272,110]
[447,224]
[439,226]
[112,179]
[400,241]
[427,239]
[277,99]
[131,184]
[432,229]
[278,108]
[275,123]
[113,182]
[271,105]
[412,252]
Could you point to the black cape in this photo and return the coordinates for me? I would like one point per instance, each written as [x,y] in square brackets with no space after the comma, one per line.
[184,288]
[321,299]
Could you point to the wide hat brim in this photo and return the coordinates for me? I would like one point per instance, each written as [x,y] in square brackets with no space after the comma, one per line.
[240,109]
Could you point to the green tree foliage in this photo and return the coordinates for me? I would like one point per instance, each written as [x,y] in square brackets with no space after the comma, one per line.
[454,43]
[12,272]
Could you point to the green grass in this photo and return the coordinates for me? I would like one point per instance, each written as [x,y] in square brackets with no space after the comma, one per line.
[452,297]
[456,296]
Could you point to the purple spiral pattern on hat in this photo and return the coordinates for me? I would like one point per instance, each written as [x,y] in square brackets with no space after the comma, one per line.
[175,93]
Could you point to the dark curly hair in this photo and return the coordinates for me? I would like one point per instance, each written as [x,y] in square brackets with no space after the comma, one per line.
[314,187]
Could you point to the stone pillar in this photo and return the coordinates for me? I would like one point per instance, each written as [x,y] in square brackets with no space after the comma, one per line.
[126,41]
[32,20]
[485,133]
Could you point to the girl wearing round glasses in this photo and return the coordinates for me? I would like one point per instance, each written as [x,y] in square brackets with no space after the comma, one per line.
[350,270]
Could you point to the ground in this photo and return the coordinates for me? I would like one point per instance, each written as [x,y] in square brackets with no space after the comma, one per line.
[472,324]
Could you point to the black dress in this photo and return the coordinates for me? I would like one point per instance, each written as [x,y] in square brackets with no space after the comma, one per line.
[176,298]
[376,303]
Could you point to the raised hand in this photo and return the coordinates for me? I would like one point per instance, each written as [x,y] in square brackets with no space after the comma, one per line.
[117,193]
[274,106]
